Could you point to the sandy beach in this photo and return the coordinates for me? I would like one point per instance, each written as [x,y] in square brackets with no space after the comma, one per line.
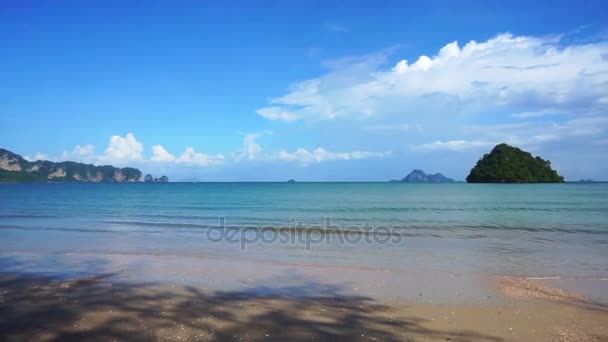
[488,263]
[295,303]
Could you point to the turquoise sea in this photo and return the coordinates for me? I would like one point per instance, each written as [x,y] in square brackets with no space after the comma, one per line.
[544,230]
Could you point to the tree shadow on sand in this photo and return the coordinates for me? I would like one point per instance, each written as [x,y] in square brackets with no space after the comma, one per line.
[96,308]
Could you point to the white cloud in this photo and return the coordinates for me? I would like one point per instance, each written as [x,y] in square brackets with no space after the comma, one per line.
[38,156]
[277,113]
[128,151]
[533,73]
[159,154]
[451,145]
[536,114]
[252,150]
[120,149]
[192,157]
[318,155]
[189,157]
[575,132]
[83,154]
[585,129]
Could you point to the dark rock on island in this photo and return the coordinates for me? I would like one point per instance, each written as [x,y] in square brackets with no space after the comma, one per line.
[419,176]
[508,164]
[14,168]
[150,179]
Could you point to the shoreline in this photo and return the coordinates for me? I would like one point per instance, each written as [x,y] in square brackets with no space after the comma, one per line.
[238,272]
[174,298]
[98,308]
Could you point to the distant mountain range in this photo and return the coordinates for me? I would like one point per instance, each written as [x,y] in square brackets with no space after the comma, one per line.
[14,168]
[419,176]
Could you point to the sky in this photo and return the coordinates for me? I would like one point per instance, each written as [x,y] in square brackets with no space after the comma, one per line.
[309,90]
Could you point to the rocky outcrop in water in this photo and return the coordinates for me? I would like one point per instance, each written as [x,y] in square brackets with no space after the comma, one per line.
[150,179]
[419,176]
[14,168]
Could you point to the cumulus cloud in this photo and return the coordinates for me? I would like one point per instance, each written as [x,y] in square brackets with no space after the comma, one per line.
[189,157]
[83,154]
[159,154]
[128,149]
[192,157]
[252,150]
[123,149]
[533,73]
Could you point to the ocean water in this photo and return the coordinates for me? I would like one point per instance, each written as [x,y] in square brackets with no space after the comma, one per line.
[544,230]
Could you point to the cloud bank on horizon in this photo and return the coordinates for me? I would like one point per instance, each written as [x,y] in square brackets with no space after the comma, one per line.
[128,150]
[539,93]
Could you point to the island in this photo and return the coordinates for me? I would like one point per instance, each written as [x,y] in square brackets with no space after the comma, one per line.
[509,164]
[419,176]
[15,168]
[291,181]
[149,179]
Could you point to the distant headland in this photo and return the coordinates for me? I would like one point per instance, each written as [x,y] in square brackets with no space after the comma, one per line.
[15,168]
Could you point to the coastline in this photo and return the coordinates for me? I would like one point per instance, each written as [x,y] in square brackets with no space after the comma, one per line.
[224,301]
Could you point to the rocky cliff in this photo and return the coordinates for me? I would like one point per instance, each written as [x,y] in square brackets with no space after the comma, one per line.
[14,168]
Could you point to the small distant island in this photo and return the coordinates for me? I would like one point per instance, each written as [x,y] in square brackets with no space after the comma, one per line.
[15,168]
[508,164]
[419,176]
[149,179]
[291,181]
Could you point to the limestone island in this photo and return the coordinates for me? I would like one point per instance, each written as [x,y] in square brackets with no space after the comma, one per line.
[14,168]
[508,164]
[149,179]
[419,176]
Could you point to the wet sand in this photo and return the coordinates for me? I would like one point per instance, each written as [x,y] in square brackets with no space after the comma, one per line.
[103,308]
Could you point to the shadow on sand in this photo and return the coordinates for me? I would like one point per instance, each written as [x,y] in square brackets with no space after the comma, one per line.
[95,308]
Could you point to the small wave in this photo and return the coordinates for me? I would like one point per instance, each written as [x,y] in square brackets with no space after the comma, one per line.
[157,224]
[543,278]
[28,216]
[79,230]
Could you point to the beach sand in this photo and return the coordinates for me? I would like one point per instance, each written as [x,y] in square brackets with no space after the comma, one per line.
[102,308]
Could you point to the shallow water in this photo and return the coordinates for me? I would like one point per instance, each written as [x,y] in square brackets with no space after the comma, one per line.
[544,230]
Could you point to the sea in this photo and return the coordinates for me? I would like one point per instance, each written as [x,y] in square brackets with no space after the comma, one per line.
[539,231]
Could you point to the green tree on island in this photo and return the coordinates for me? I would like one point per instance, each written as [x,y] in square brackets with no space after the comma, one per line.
[508,164]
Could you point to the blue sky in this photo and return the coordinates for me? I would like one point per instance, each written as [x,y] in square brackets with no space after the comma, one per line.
[308,90]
